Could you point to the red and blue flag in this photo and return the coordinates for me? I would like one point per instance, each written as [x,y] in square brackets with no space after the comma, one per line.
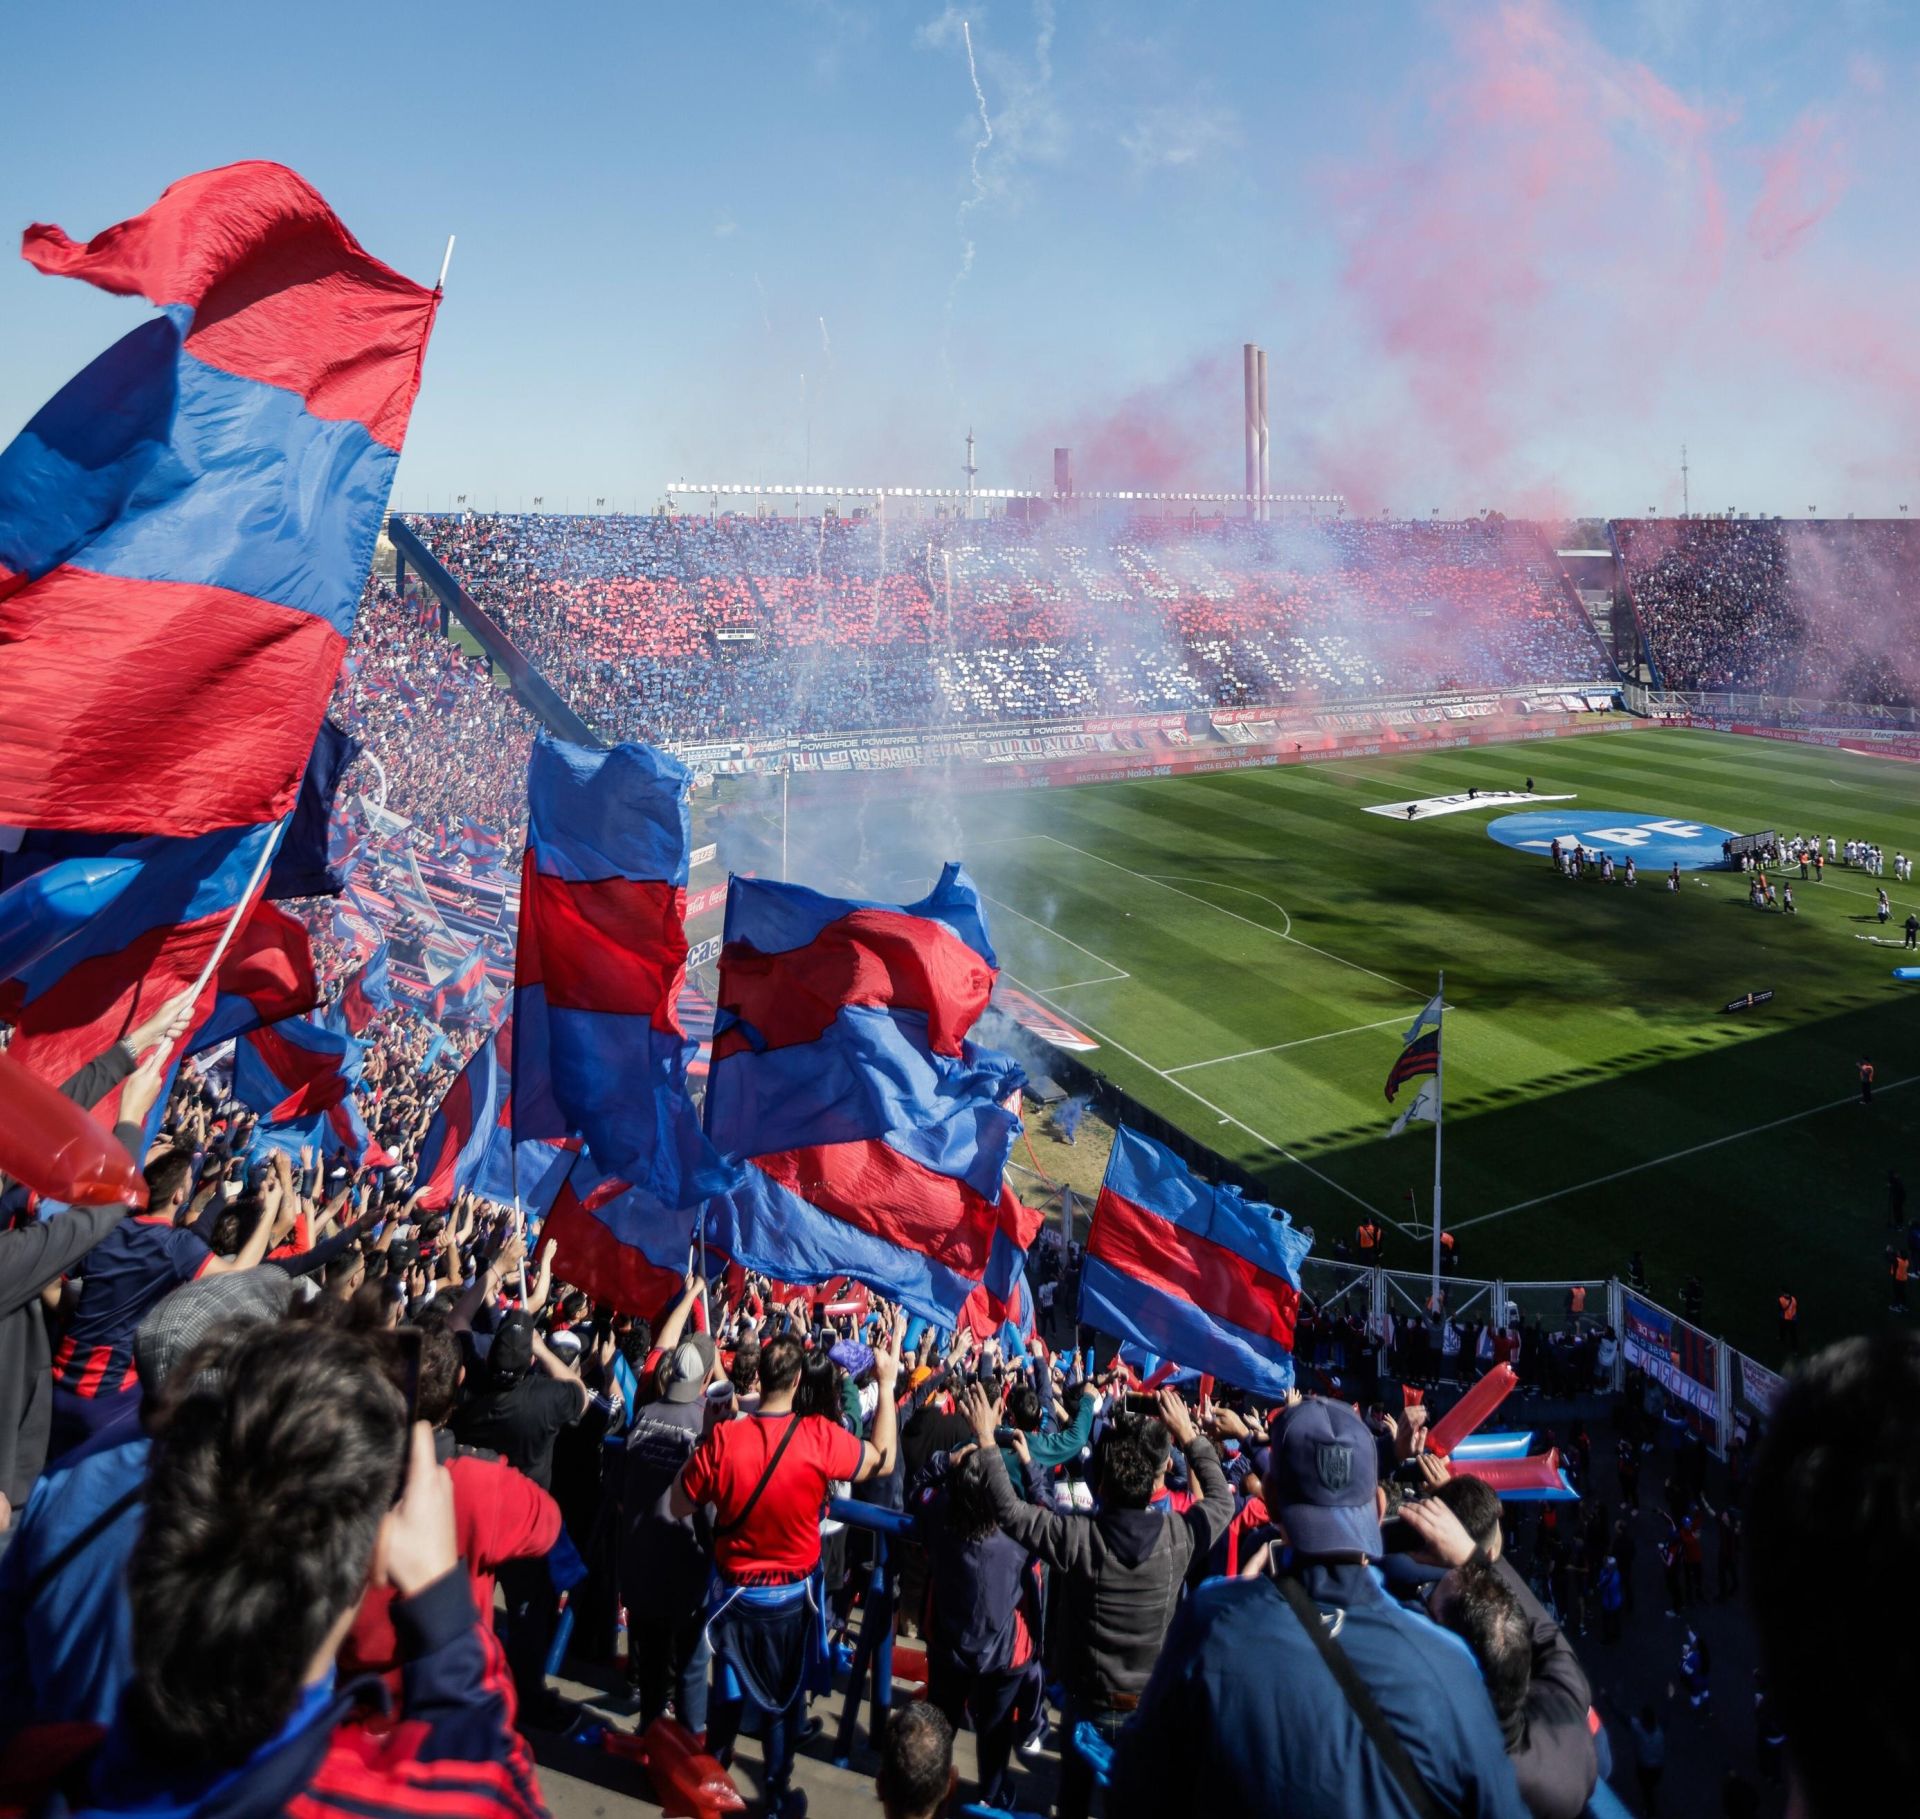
[295,1069]
[96,931]
[265,976]
[618,1243]
[1192,1273]
[470,1144]
[598,1050]
[461,991]
[482,846]
[878,1134]
[192,518]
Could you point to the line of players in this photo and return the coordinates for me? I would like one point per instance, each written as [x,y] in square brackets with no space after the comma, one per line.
[1577,861]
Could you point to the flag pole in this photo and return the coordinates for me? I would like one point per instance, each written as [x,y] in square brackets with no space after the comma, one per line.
[1439,1111]
[446,261]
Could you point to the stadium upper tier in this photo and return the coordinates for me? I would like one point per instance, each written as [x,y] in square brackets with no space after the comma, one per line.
[1774,607]
[697,628]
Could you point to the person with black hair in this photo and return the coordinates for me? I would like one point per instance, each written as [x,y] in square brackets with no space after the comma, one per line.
[500,1516]
[1541,1700]
[764,1480]
[917,1776]
[144,1258]
[285,1480]
[1836,1489]
[1122,1568]
[983,1639]
[518,1414]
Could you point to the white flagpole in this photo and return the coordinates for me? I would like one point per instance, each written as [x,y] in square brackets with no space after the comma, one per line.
[1439,1110]
[446,261]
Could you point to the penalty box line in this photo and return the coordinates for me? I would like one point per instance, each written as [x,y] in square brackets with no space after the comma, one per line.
[1219,1112]
[1114,973]
[1620,1174]
[1221,910]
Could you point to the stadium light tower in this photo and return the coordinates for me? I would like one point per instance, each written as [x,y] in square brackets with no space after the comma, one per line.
[970,470]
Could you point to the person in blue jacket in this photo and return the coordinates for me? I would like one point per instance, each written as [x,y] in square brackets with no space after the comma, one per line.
[1242,1687]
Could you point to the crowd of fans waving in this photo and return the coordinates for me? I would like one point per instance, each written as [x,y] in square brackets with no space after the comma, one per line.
[297,1472]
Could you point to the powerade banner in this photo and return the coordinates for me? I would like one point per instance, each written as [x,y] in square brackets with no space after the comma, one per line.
[1654,842]
[1680,1358]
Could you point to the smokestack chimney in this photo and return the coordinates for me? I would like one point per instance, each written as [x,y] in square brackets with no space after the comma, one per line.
[1260,354]
[1250,420]
[1062,474]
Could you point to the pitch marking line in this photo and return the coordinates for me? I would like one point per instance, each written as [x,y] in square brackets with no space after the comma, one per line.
[1220,910]
[1114,973]
[1225,1117]
[1620,1174]
[1286,934]
[1298,1042]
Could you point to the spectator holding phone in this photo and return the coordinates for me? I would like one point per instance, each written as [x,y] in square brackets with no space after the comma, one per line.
[1122,1567]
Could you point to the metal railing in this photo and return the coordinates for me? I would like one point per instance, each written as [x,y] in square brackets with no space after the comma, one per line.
[1729,1392]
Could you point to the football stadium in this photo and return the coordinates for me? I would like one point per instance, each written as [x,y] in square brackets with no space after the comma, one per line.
[1110,1123]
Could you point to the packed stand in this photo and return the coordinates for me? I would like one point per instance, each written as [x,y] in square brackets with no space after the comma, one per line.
[1821,609]
[687,628]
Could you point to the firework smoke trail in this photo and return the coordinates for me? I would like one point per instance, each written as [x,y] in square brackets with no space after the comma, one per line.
[826,343]
[969,203]
[981,147]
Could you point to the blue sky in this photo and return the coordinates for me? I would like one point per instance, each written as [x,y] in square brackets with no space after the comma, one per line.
[1500,255]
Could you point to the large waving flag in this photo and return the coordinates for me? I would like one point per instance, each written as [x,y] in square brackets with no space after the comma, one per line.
[878,1134]
[96,932]
[470,1143]
[602,952]
[295,1069]
[186,527]
[265,976]
[618,1243]
[1192,1273]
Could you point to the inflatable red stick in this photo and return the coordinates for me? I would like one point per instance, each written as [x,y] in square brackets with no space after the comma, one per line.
[688,1783]
[1471,1410]
[52,1146]
[1536,1472]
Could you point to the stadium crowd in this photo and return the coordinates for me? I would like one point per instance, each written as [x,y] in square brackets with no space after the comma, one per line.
[1820,609]
[309,1491]
[693,628]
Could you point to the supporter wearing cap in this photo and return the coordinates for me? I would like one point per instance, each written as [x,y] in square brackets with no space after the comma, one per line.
[1243,1686]
[665,1561]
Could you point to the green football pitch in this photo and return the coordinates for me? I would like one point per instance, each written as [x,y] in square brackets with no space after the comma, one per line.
[1248,947]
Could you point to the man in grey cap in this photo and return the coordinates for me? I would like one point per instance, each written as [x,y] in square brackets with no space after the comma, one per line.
[1308,1690]
[63,1601]
[665,1560]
